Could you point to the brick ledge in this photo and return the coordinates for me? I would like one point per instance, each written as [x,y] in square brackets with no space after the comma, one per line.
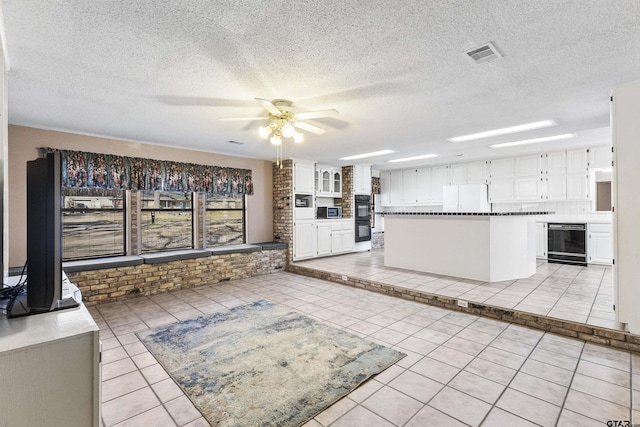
[590,333]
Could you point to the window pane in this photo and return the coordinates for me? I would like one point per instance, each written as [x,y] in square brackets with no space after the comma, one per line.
[224,228]
[92,223]
[224,223]
[166,221]
[166,200]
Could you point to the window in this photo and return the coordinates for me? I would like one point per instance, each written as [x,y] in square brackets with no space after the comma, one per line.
[92,223]
[224,223]
[167,221]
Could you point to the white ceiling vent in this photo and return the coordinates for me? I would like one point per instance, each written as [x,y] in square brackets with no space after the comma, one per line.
[485,53]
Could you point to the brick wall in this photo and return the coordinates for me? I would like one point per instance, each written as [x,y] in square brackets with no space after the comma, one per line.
[346,202]
[114,284]
[136,222]
[375,185]
[282,205]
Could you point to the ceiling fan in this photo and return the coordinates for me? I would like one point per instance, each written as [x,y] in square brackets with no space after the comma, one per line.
[284,120]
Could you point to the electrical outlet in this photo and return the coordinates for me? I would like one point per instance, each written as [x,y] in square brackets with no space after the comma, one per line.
[464,304]
[344,278]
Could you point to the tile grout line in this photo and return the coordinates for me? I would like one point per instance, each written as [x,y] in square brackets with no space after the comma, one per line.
[564,401]
[510,381]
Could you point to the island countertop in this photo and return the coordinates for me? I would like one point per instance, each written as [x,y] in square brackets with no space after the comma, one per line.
[466,213]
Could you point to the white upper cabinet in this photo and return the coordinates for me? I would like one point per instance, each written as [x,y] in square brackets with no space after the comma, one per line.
[528,165]
[577,175]
[423,185]
[555,181]
[577,161]
[529,178]
[556,163]
[528,188]
[601,157]
[577,186]
[458,174]
[409,189]
[501,190]
[502,168]
[362,179]
[303,177]
[438,181]
[477,172]
[555,176]
[329,181]
[385,189]
[556,187]
[395,188]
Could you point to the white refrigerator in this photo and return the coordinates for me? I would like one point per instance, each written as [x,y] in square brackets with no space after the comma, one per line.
[465,198]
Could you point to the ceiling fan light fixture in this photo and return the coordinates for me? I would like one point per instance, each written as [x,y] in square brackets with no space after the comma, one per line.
[276,140]
[297,137]
[264,132]
[288,130]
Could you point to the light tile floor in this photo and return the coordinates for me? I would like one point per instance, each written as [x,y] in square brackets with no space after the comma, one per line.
[579,294]
[459,369]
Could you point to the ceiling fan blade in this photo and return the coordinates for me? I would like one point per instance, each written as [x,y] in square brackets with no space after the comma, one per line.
[269,106]
[309,128]
[231,119]
[317,114]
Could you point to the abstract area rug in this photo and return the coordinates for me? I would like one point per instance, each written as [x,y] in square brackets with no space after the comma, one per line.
[264,365]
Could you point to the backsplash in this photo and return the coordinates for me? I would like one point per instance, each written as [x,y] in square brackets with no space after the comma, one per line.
[560,208]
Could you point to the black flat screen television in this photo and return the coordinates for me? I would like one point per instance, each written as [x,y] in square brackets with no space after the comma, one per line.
[44,232]
[44,241]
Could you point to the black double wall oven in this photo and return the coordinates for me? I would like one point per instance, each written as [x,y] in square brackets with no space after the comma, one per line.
[362,214]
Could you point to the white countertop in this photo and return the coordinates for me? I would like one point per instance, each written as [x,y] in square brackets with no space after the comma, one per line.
[19,333]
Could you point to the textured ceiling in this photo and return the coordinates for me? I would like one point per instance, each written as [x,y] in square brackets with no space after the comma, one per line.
[165,72]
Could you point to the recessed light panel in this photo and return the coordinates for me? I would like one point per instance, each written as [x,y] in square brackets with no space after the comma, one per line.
[408,159]
[503,131]
[365,155]
[533,141]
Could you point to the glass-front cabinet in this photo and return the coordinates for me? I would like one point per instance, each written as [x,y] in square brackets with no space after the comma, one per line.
[328,181]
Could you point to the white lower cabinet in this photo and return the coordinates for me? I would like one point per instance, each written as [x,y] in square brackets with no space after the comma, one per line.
[334,236]
[541,240]
[324,237]
[600,244]
[342,236]
[304,239]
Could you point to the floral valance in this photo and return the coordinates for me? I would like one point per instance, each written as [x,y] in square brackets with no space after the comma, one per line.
[92,170]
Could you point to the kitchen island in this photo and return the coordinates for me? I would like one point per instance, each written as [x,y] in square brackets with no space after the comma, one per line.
[488,247]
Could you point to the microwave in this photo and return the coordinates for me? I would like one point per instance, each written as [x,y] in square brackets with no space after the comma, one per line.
[329,212]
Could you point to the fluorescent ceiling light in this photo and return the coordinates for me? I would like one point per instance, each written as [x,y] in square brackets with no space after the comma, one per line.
[503,131]
[533,141]
[365,155]
[408,159]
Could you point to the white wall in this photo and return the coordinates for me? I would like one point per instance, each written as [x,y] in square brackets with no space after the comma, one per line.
[626,199]
[4,157]
[24,143]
